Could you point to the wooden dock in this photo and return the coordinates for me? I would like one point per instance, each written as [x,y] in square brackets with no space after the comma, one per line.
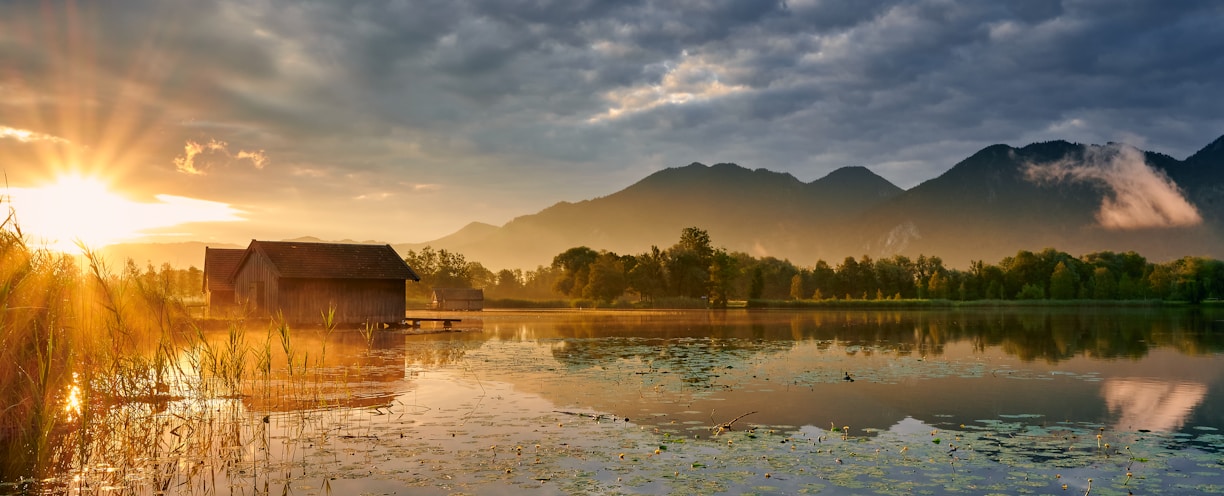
[416,321]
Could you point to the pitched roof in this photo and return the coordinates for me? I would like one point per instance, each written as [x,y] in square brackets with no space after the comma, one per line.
[219,265]
[333,260]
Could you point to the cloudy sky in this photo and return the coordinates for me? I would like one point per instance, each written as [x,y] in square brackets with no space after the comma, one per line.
[402,121]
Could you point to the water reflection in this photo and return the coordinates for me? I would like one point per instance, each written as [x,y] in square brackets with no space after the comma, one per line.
[1151,405]
[942,367]
[1050,335]
[504,376]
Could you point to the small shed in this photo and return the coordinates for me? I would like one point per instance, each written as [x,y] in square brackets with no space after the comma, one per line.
[219,265]
[300,281]
[457,299]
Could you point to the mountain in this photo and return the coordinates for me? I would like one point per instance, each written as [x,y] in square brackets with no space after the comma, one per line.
[1202,176]
[980,206]
[1073,197]
[755,211]
[473,233]
[181,255]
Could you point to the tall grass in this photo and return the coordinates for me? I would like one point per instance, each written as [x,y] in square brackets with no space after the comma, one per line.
[102,367]
[38,333]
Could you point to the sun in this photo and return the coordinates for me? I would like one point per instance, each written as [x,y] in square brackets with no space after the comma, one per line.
[73,208]
[80,210]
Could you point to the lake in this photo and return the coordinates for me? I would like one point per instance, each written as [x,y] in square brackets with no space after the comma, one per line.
[976,401]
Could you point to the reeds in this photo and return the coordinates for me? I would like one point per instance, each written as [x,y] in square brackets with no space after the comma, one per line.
[34,327]
[103,368]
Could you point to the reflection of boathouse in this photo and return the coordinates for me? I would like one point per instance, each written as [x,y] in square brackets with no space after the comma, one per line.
[301,281]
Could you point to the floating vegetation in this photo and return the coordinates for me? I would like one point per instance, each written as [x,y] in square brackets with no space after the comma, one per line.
[631,412]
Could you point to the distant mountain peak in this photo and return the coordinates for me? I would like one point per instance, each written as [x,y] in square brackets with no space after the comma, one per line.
[1212,154]
[850,172]
[985,207]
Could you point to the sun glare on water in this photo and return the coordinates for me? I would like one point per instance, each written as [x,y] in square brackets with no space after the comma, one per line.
[83,209]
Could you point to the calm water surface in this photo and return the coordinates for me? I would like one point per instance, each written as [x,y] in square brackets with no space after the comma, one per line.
[1111,401]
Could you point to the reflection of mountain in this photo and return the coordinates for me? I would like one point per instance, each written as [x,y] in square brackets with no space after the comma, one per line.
[1152,405]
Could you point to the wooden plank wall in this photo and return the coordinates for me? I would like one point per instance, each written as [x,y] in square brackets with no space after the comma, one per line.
[357,301]
[257,269]
[219,304]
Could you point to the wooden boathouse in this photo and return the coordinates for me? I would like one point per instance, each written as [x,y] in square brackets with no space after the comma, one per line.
[457,299]
[219,265]
[365,284]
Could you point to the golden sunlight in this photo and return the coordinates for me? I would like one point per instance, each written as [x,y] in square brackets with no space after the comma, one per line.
[72,404]
[84,209]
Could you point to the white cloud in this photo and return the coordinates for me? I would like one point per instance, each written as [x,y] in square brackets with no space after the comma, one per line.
[693,79]
[1138,196]
[193,151]
[26,136]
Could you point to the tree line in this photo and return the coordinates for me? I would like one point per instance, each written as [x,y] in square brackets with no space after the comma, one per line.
[693,268]
[167,280]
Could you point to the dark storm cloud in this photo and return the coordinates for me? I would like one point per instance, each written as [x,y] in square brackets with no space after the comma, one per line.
[517,104]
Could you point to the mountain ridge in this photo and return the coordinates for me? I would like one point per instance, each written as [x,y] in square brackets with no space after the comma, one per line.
[985,207]
[674,198]
[997,201]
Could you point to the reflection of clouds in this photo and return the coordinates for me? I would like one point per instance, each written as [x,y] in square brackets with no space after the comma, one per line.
[910,426]
[1148,404]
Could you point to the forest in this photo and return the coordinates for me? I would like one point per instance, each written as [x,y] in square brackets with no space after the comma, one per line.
[694,269]
[695,272]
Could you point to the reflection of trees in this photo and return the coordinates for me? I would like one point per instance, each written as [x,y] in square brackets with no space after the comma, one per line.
[696,349]
[1030,334]
[1055,335]
[434,350]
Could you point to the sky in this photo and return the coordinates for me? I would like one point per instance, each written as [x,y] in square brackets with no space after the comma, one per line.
[402,121]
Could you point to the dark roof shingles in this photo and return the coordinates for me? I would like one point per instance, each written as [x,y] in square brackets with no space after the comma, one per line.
[335,260]
[219,265]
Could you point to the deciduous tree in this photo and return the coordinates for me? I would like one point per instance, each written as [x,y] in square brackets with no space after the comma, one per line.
[1063,284]
[575,266]
[606,280]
